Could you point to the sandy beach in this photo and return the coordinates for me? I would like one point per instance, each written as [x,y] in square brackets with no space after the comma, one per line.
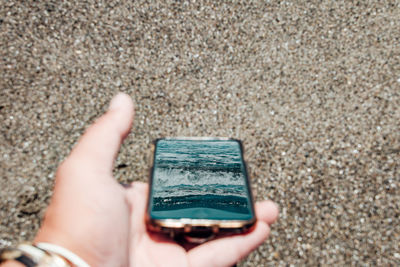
[311,88]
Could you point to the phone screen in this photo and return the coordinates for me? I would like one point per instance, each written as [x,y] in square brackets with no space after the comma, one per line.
[199,179]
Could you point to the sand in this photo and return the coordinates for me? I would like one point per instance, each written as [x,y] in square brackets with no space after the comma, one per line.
[312,89]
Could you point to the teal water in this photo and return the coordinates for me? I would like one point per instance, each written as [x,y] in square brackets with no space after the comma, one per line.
[199,174]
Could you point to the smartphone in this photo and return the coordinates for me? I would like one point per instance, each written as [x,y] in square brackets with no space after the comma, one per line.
[199,187]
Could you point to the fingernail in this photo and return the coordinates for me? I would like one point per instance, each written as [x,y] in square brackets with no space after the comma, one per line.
[117,101]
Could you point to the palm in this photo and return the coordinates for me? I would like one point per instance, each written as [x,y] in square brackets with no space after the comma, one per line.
[152,249]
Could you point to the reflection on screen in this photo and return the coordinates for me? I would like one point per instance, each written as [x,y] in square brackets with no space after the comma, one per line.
[199,180]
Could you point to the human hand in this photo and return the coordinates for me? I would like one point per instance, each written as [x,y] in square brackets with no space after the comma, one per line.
[153,249]
[88,213]
[103,223]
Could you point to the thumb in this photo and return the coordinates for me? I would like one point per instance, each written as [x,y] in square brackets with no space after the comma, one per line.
[98,147]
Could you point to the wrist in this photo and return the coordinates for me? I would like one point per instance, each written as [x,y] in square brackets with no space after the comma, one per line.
[11,263]
[53,238]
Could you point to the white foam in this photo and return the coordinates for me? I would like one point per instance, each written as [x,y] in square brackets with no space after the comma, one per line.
[178,182]
[175,176]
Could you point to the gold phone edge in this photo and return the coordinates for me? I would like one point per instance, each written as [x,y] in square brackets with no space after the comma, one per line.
[182,223]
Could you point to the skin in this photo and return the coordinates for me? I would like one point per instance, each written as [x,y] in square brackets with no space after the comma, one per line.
[104,223]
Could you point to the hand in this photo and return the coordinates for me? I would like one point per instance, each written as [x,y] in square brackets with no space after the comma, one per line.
[103,223]
[152,249]
[88,213]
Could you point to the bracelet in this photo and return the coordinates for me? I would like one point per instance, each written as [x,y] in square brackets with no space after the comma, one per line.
[32,256]
[42,255]
[63,252]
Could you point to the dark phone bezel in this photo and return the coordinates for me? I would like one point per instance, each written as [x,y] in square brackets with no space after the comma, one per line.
[175,227]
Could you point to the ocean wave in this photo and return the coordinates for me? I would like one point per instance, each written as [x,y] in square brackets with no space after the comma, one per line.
[198,153]
[185,190]
[164,177]
[226,203]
